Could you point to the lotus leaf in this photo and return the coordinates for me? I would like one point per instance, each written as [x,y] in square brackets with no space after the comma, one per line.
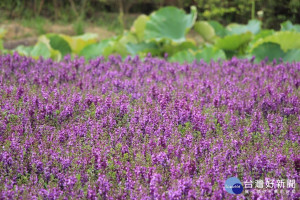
[182,57]
[169,23]
[2,33]
[143,47]
[253,26]
[292,55]
[95,50]
[210,53]
[288,26]
[286,39]
[220,30]
[233,42]
[24,50]
[78,43]
[139,26]
[58,43]
[172,47]
[268,49]
[206,31]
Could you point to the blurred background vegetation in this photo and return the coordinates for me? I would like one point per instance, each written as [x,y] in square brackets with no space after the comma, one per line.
[208,29]
[119,14]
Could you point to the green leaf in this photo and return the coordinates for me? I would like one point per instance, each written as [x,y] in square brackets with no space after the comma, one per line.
[143,47]
[120,44]
[210,53]
[286,39]
[172,47]
[87,36]
[169,23]
[219,28]
[288,26]
[54,54]
[25,51]
[268,49]
[182,57]
[40,49]
[1,45]
[58,43]
[78,43]
[206,31]
[253,26]
[139,26]
[233,42]
[260,36]
[94,50]
[2,33]
[292,55]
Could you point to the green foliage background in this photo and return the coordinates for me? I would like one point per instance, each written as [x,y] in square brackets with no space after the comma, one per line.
[224,11]
[164,31]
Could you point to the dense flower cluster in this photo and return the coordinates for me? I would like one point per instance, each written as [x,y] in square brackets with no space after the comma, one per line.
[146,129]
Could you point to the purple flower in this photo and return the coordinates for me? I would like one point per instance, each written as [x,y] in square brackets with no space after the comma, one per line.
[145,128]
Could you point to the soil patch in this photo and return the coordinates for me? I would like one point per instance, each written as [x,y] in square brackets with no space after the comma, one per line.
[17,31]
[58,28]
[102,32]
[17,34]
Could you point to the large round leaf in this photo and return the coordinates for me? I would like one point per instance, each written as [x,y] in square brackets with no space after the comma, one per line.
[206,31]
[253,26]
[169,23]
[2,33]
[95,50]
[58,43]
[182,57]
[219,28]
[139,26]
[233,42]
[119,46]
[23,50]
[210,53]
[40,49]
[260,36]
[78,43]
[1,45]
[172,47]
[143,47]
[268,49]
[286,39]
[289,26]
[292,55]
[54,54]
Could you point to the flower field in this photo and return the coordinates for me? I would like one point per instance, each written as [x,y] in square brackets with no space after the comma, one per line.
[146,128]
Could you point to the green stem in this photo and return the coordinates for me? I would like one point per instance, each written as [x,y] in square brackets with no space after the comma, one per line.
[253,10]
